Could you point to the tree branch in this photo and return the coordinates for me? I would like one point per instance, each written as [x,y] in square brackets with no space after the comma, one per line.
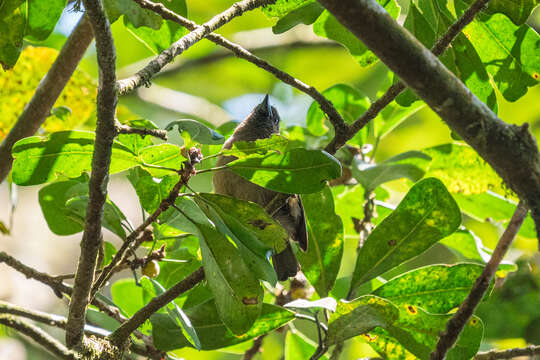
[122,333]
[254,349]
[438,49]
[143,76]
[105,133]
[56,284]
[508,354]
[47,319]
[511,150]
[125,129]
[121,253]
[47,92]
[40,336]
[456,324]
[326,106]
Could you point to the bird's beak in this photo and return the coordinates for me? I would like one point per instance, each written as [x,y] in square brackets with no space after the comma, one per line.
[265,106]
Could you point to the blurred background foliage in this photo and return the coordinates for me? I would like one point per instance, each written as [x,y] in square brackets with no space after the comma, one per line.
[209,84]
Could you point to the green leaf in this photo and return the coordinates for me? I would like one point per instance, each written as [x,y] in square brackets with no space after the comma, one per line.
[517,10]
[298,346]
[42,17]
[306,15]
[64,207]
[166,155]
[469,246]
[127,296]
[175,271]
[348,101]
[392,116]
[198,132]
[237,291]
[135,15]
[185,323]
[52,199]
[418,332]
[135,142]
[282,7]
[462,170]
[251,218]
[327,26]
[359,316]
[112,216]
[509,53]
[427,214]
[429,21]
[253,231]
[370,176]
[242,149]
[212,333]
[298,171]
[65,153]
[490,206]
[435,288]
[108,253]
[12,27]
[161,38]
[321,262]
[150,191]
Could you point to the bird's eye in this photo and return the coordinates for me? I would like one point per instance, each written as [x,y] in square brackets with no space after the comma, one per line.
[276,120]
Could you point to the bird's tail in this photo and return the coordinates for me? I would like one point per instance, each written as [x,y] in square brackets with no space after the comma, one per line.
[285,263]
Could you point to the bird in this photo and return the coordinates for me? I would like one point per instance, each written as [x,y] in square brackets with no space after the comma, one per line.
[288,210]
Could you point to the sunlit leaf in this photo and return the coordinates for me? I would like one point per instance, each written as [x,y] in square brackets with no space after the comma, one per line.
[17,87]
[328,26]
[418,331]
[298,171]
[435,288]
[66,153]
[321,262]
[359,316]
[427,214]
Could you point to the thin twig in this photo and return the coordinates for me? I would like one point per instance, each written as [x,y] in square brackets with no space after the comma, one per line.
[47,92]
[41,337]
[143,76]
[101,159]
[438,49]
[530,351]
[130,240]
[47,319]
[325,104]
[122,333]
[458,321]
[125,129]
[254,349]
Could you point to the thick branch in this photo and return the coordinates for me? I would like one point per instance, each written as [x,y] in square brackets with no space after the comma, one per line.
[143,76]
[325,105]
[438,49]
[511,150]
[530,351]
[39,336]
[105,133]
[122,333]
[456,324]
[47,92]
